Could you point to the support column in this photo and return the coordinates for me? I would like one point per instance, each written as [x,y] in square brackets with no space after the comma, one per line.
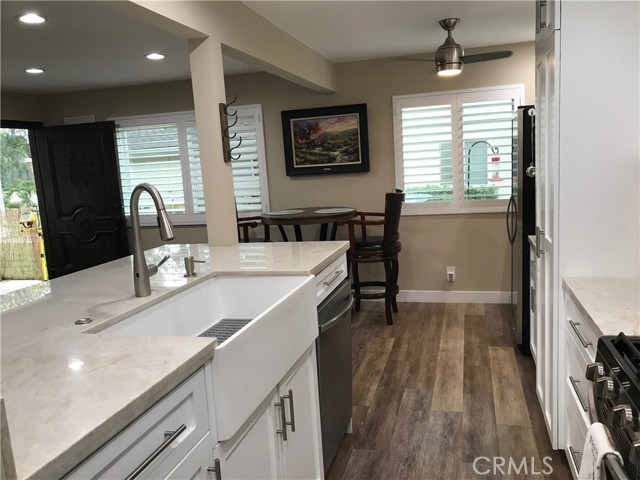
[207,78]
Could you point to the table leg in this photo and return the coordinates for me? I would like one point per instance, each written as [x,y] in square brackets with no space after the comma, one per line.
[334,230]
[283,233]
[298,231]
[323,232]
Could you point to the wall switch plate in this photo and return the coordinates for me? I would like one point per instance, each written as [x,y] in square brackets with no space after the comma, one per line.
[451,274]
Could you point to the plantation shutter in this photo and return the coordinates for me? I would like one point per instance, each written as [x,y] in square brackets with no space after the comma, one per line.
[245,163]
[426,139]
[151,154]
[486,140]
[195,171]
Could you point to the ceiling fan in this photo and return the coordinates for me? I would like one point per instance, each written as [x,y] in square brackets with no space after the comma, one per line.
[450,57]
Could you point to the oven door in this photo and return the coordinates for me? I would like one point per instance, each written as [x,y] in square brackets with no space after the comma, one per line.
[613,469]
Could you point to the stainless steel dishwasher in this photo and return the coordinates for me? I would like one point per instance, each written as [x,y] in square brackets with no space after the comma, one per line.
[334,369]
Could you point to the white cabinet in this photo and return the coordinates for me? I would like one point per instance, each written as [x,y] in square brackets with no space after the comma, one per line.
[533,324]
[196,464]
[546,226]
[255,451]
[303,448]
[579,350]
[547,18]
[282,438]
[159,440]
[587,194]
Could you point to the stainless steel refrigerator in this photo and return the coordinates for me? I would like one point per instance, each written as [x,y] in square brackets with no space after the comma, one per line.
[521,218]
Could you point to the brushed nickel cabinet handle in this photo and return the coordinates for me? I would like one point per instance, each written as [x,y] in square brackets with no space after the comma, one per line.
[334,278]
[173,435]
[283,419]
[575,325]
[574,384]
[292,423]
[573,454]
[216,469]
[539,234]
[532,298]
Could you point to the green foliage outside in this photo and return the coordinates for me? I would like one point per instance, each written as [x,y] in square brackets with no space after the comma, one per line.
[442,193]
[16,172]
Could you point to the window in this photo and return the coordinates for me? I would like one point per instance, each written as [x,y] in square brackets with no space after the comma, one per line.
[163,150]
[453,149]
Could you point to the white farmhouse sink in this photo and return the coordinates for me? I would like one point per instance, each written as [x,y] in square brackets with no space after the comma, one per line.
[248,365]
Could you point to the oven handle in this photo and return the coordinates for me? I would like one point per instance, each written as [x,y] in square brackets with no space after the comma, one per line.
[613,466]
[611,462]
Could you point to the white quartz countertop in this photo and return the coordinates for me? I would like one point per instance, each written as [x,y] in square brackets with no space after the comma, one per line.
[610,304]
[67,392]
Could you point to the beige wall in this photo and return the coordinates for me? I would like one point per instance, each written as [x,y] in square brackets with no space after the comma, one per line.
[16,106]
[475,244]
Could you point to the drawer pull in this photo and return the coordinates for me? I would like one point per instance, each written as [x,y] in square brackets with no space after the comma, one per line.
[574,384]
[575,325]
[283,419]
[292,423]
[573,454]
[157,452]
[216,469]
[334,278]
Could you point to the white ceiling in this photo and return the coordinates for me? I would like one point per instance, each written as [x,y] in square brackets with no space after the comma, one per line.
[85,45]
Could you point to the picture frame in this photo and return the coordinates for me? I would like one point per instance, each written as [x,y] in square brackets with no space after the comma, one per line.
[326,140]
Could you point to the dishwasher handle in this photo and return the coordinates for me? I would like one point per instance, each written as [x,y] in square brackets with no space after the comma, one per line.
[331,322]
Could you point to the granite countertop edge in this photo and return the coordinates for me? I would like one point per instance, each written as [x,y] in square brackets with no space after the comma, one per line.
[626,319]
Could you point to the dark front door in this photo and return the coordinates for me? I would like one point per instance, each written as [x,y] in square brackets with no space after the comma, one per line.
[76,173]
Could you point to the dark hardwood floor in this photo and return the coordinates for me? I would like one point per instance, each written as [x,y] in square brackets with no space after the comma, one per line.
[441,387]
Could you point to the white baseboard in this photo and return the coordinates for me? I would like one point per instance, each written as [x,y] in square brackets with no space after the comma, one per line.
[460,296]
[453,296]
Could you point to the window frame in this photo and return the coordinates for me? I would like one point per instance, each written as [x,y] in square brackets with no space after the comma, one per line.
[454,98]
[182,118]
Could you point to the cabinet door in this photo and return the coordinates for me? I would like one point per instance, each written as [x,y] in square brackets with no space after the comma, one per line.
[195,464]
[533,332]
[547,18]
[303,447]
[547,116]
[255,451]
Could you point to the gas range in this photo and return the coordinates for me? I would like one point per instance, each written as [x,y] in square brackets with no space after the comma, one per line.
[615,398]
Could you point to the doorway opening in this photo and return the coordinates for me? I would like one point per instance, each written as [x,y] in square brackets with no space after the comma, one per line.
[22,256]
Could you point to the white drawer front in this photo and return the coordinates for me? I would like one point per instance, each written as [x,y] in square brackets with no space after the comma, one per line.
[575,435]
[580,330]
[330,278]
[576,366]
[186,405]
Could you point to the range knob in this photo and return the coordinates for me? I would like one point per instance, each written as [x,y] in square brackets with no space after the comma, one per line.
[594,371]
[621,416]
[634,453]
[604,387]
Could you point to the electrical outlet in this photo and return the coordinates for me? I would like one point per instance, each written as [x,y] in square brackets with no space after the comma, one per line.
[451,274]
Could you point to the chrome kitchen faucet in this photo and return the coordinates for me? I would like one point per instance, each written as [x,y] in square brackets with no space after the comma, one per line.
[142,273]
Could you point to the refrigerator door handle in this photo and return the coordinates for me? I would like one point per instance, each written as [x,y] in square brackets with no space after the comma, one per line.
[509,230]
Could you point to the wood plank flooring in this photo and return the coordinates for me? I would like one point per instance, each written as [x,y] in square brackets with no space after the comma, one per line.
[441,387]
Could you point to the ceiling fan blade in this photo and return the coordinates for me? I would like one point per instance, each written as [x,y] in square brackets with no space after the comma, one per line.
[405,59]
[485,57]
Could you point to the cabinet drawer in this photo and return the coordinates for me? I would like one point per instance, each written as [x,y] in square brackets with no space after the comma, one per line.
[575,435]
[195,464]
[580,330]
[577,384]
[185,406]
[330,278]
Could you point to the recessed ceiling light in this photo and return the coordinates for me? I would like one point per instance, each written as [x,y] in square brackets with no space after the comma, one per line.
[154,56]
[34,70]
[31,18]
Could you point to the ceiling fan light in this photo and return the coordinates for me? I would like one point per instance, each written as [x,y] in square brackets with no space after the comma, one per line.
[449,69]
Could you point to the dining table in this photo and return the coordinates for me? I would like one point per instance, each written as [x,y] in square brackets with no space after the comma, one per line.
[308,216]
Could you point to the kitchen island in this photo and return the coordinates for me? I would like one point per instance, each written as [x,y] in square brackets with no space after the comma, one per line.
[67,391]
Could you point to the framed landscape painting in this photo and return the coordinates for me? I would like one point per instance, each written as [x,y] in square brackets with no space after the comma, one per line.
[326,140]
